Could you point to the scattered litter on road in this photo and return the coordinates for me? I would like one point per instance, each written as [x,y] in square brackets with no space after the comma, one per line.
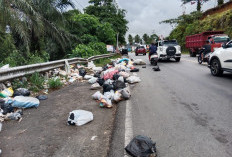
[139,62]
[156,68]
[42,97]
[141,146]
[144,66]
[93,138]
[21,92]
[95,86]
[133,79]
[7,93]
[25,102]
[79,117]
[93,80]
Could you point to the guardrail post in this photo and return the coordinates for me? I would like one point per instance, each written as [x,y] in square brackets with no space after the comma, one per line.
[67,67]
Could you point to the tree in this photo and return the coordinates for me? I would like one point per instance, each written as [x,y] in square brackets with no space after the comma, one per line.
[137,39]
[146,39]
[130,39]
[199,3]
[32,20]
[220,2]
[108,11]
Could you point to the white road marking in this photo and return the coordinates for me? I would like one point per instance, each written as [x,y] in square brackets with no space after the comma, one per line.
[128,125]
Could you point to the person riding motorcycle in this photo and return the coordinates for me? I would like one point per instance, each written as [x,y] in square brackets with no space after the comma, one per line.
[152,50]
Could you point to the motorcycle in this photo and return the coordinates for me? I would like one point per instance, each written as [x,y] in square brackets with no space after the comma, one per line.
[154,59]
[203,56]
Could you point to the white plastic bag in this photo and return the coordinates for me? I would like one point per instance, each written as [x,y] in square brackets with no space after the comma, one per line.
[93,80]
[95,86]
[125,93]
[79,117]
[124,74]
[5,67]
[139,62]
[87,77]
[97,69]
[91,65]
[97,96]
[121,79]
[117,96]
[109,95]
[133,79]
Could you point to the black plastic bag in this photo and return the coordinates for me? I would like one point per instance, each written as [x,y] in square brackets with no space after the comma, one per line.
[107,88]
[119,85]
[42,97]
[135,70]
[105,68]
[141,146]
[82,72]
[21,92]
[97,75]
[116,76]
[6,107]
[100,81]
[156,68]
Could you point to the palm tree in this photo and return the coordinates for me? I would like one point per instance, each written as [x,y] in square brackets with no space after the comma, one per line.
[31,19]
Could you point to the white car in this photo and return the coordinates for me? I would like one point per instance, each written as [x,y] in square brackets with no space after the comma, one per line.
[221,60]
[167,49]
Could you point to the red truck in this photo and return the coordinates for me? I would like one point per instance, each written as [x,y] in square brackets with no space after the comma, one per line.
[209,40]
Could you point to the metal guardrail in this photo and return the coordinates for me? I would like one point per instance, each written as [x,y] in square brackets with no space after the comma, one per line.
[16,72]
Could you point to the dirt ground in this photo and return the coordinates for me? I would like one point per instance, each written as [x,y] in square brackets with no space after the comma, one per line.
[43,132]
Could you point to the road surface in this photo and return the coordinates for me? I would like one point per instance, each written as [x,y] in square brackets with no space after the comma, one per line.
[183,108]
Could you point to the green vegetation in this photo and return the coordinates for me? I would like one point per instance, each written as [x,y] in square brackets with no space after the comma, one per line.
[104,61]
[34,31]
[36,82]
[191,24]
[55,83]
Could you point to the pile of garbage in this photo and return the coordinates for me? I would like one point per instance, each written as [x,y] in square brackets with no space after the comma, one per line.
[112,82]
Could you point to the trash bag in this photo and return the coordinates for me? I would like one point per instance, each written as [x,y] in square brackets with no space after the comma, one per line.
[25,102]
[105,102]
[109,95]
[121,79]
[119,85]
[87,77]
[93,80]
[82,72]
[99,69]
[105,68]
[95,86]
[13,116]
[107,87]
[124,74]
[7,93]
[141,146]
[79,117]
[117,96]
[156,68]
[100,81]
[42,97]
[125,93]
[109,75]
[21,92]
[134,70]
[6,107]
[97,74]
[97,96]
[116,76]
[133,79]
[139,62]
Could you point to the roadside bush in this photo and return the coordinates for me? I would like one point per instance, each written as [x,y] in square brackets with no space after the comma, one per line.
[55,83]
[19,84]
[36,82]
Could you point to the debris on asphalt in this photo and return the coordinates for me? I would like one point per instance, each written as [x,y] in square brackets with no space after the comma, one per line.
[139,62]
[156,68]
[80,117]
[42,97]
[24,102]
[144,66]
[21,92]
[141,146]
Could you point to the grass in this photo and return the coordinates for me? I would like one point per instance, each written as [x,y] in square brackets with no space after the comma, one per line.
[102,62]
[36,82]
[55,83]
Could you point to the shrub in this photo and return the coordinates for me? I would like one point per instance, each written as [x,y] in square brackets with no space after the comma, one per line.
[37,82]
[55,83]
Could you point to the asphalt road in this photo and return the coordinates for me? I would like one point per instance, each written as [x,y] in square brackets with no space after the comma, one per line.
[183,108]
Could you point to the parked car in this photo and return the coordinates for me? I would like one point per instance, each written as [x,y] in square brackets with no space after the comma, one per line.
[168,49]
[221,60]
[210,40]
[140,50]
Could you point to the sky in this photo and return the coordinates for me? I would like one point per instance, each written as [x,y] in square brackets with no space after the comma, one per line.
[144,16]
